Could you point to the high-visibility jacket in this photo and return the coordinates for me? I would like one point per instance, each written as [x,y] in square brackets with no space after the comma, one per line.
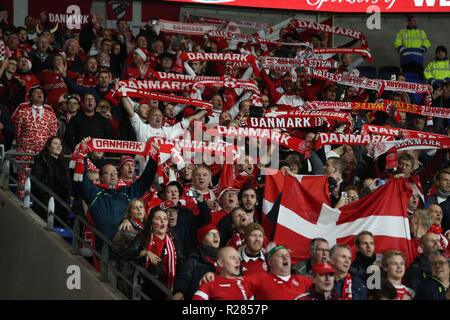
[411,44]
[437,71]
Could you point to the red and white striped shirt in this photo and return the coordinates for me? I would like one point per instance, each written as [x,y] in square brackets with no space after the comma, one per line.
[403,291]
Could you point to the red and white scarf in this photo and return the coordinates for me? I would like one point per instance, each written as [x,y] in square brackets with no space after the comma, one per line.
[400,132]
[282,122]
[408,144]
[106,145]
[271,135]
[347,289]
[223,22]
[157,85]
[301,24]
[171,258]
[349,139]
[275,63]
[389,106]
[371,84]
[131,92]
[222,57]
[184,28]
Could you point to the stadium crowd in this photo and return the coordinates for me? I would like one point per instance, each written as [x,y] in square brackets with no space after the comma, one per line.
[200,228]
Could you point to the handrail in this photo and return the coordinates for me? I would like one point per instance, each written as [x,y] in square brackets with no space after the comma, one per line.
[108,269]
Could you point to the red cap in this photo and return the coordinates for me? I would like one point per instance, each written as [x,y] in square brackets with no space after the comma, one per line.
[203,231]
[168,204]
[323,268]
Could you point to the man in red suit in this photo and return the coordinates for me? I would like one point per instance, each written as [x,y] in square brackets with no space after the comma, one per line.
[34,122]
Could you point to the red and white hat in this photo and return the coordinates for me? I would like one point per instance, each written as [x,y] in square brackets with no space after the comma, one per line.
[168,204]
[142,53]
[125,159]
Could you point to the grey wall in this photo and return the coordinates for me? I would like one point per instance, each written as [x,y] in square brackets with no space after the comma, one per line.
[34,262]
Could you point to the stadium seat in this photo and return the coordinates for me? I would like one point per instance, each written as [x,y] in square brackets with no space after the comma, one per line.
[65,234]
[368,71]
[386,72]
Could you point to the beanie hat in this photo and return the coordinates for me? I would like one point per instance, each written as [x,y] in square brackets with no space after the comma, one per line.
[168,204]
[441,48]
[125,159]
[141,53]
[203,231]
[252,227]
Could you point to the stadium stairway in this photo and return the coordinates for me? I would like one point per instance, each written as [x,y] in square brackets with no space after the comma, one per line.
[38,264]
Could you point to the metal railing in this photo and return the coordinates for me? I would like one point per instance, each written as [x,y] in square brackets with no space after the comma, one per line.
[108,267]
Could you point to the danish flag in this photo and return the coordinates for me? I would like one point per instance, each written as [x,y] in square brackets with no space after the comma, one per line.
[305,213]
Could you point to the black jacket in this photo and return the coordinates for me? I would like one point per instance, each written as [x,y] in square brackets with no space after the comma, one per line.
[199,262]
[417,271]
[81,126]
[360,265]
[7,133]
[188,223]
[55,175]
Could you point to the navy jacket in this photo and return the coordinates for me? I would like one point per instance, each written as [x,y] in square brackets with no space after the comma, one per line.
[431,289]
[108,206]
[359,290]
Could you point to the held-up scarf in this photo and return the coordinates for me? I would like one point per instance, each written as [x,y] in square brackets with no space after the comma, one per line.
[408,144]
[371,84]
[157,85]
[300,24]
[282,122]
[388,106]
[77,162]
[160,75]
[223,22]
[106,145]
[171,255]
[277,62]
[230,83]
[131,92]
[223,57]
[185,28]
[400,132]
[350,139]
[326,51]
[347,289]
[273,136]
[329,115]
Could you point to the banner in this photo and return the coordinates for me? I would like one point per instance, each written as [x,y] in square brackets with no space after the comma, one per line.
[383,213]
[116,10]
[405,6]
[74,16]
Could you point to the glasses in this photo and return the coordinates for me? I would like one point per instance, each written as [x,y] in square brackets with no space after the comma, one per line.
[439,263]
[212,234]
[114,173]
